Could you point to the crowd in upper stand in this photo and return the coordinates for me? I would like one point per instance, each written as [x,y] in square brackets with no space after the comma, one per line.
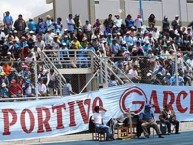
[145,53]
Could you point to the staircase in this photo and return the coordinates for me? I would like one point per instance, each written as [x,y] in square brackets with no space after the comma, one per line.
[97,68]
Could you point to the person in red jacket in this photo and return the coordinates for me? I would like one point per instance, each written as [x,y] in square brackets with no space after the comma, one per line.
[15,89]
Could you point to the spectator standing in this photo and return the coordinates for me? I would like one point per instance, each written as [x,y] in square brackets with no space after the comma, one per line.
[87,29]
[176,23]
[129,22]
[108,23]
[70,23]
[20,25]
[8,22]
[32,25]
[151,21]
[138,22]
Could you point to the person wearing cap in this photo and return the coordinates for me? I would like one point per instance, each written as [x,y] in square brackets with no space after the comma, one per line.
[63,54]
[4,92]
[32,25]
[166,79]
[147,120]
[28,88]
[15,89]
[70,23]
[168,117]
[20,25]
[8,22]
[176,23]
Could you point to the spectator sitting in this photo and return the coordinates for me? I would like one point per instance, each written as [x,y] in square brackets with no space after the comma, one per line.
[15,89]
[28,88]
[168,116]
[147,119]
[42,89]
[6,68]
[4,92]
[113,81]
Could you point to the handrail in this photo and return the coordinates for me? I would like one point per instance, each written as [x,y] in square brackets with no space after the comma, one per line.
[53,66]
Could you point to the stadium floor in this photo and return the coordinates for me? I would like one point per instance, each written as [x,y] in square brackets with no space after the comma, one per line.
[185,138]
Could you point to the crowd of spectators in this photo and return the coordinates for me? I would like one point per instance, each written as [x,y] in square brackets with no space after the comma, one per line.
[145,53]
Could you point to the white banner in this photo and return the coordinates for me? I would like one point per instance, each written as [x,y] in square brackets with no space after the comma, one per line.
[44,118]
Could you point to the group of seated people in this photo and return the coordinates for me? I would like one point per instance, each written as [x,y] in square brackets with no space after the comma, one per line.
[145,120]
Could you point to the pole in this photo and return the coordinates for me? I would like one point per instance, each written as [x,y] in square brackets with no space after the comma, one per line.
[36,80]
[141,9]
[176,65]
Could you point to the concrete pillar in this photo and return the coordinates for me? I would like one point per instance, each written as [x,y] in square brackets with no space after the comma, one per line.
[91,10]
[122,7]
[70,6]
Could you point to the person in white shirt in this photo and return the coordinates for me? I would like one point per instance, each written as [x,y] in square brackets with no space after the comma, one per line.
[97,119]
[42,89]
[67,90]
[2,34]
[70,23]
[133,74]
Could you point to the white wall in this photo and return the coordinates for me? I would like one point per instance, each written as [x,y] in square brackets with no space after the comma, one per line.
[132,8]
[190,11]
[170,8]
[62,10]
[106,7]
[80,7]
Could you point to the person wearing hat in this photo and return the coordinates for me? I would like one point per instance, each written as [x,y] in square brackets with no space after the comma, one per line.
[15,89]
[48,22]
[63,54]
[168,117]
[176,23]
[147,120]
[28,88]
[8,22]
[4,92]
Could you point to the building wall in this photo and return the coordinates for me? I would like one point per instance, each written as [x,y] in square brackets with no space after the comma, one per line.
[162,8]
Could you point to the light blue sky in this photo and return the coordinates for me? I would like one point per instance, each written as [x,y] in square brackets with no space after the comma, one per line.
[28,8]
